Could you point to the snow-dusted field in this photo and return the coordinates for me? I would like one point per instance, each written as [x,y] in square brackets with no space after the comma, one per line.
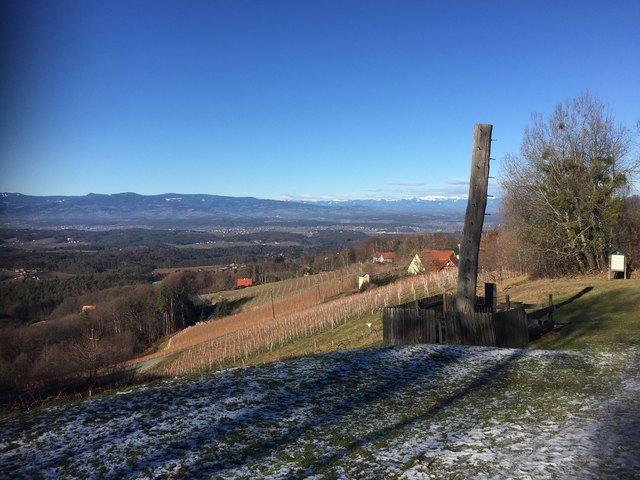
[409,412]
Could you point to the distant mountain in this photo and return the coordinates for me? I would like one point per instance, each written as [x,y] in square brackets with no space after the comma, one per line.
[409,205]
[173,210]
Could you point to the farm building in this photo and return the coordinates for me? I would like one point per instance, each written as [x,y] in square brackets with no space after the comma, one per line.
[244,282]
[384,257]
[363,279]
[433,261]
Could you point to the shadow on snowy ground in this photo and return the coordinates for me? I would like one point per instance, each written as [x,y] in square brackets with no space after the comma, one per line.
[421,410]
[481,381]
[619,430]
[337,395]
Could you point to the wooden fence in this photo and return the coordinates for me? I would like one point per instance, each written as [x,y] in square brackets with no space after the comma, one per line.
[425,321]
[510,328]
[541,320]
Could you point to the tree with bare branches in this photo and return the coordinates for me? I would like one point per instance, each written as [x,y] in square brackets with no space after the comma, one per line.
[565,191]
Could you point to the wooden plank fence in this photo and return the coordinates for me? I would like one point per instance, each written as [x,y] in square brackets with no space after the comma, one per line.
[540,321]
[413,323]
[511,328]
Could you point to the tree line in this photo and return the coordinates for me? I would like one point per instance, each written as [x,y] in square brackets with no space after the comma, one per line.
[73,345]
[30,299]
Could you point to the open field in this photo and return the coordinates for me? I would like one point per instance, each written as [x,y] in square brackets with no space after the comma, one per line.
[404,412]
[606,312]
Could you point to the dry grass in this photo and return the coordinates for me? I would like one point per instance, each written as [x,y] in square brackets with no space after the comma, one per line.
[321,286]
[334,325]
[289,297]
[603,314]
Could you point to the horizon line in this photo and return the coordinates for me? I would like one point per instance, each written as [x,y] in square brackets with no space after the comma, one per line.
[281,198]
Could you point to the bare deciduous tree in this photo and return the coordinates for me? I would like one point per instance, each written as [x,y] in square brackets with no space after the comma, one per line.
[564,192]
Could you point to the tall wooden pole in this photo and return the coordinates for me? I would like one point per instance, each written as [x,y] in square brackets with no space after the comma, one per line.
[273,306]
[474,219]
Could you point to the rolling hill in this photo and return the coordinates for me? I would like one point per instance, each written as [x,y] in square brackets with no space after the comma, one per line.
[173,210]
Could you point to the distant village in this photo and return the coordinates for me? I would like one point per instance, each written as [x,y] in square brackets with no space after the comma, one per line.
[24,274]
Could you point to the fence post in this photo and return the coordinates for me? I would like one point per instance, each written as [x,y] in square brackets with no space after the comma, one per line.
[490,295]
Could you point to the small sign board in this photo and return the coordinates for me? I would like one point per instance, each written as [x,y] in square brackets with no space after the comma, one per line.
[617,262]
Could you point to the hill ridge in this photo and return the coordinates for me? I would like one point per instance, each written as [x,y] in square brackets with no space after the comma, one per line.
[130,209]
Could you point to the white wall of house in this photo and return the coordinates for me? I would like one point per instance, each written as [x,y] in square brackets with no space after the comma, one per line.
[416,267]
[363,280]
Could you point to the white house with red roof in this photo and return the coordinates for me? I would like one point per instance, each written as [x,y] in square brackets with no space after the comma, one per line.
[433,261]
[384,257]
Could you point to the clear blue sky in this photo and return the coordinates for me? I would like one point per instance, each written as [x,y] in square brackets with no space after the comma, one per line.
[292,99]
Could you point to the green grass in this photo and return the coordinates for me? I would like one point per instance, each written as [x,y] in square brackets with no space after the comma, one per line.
[353,334]
[606,313]
[592,312]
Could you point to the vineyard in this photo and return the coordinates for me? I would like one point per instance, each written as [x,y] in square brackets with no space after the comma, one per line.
[234,339]
[260,304]
[320,287]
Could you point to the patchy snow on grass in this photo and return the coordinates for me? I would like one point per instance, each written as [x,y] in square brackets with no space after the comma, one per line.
[410,412]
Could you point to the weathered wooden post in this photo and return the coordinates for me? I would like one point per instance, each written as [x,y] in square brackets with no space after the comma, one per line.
[474,219]
[490,296]
[273,306]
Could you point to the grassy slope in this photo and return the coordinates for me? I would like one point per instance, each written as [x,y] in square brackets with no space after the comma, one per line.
[257,295]
[353,334]
[414,412]
[608,313]
[604,313]
[593,311]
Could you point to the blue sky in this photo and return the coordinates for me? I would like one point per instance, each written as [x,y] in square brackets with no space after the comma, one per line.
[292,99]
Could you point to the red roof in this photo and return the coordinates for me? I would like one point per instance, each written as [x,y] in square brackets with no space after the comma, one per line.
[436,260]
